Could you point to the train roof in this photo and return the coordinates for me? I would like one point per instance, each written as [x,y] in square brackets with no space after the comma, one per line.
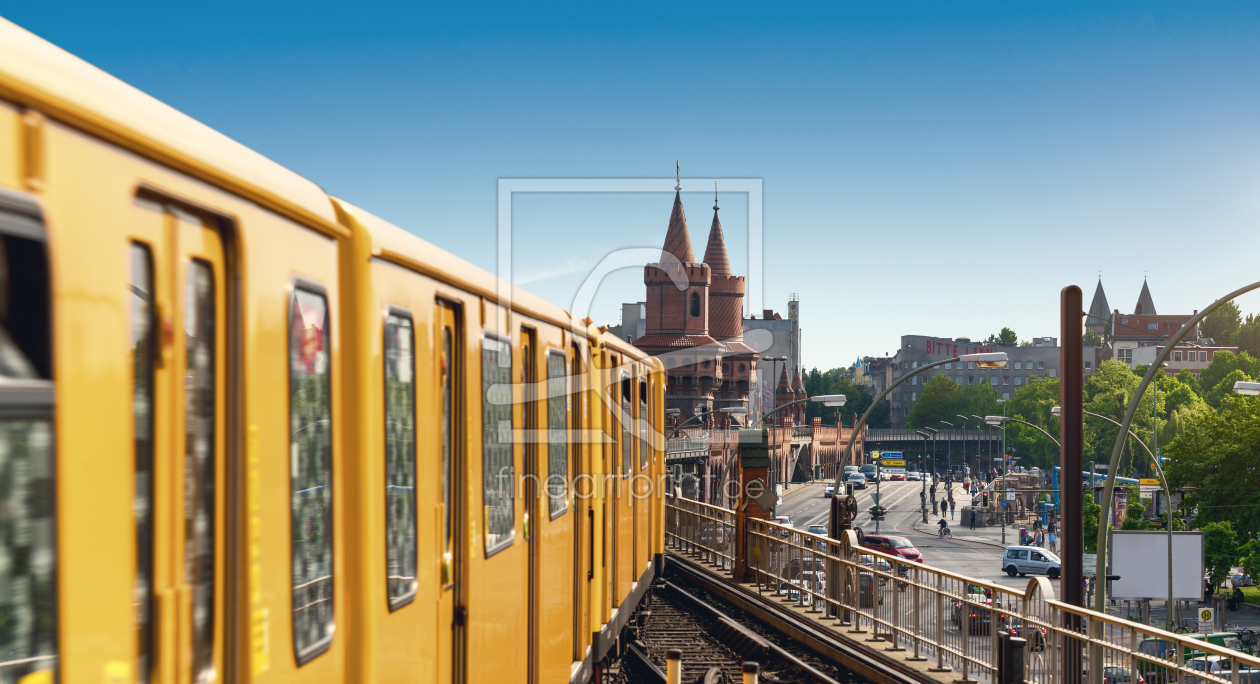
[37,74]
[394,244]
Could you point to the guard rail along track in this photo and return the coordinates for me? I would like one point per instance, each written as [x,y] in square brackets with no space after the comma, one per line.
[938,621]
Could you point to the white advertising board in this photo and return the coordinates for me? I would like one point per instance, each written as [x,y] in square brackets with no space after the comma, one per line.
[1140,558]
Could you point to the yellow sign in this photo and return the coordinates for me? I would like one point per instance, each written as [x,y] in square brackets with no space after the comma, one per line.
[894,463]
[1148,481]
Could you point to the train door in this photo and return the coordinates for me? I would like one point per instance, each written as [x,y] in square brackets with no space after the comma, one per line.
[452,517]
[533,522]
[178,283]
[611,469]
[625,502]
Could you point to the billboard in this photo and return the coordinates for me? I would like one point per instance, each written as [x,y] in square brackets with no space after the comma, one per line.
[1140,558]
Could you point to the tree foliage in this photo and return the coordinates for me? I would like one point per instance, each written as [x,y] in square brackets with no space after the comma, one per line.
[1220,549]
[1222,325]
[1092,339]
[857,399]
[1134,512]
[1005,338]
[1217,456]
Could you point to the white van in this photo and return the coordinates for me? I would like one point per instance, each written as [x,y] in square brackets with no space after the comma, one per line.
[1025,560]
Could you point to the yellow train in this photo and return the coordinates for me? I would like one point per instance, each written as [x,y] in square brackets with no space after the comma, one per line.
[253,433]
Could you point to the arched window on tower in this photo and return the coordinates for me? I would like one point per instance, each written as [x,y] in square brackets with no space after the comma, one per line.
[695,305]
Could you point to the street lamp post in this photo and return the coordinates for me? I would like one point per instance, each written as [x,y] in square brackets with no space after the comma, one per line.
[1056,411]
[964,427]
[1005,469]
[949,446]
[1100,602]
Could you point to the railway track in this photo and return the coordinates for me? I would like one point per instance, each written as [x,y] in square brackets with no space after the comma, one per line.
[715,639]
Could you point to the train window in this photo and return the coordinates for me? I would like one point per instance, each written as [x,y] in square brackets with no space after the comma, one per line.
[199,462]
[496,442]
[310,463]
[627,429]
[141,289]
[644,444]
[28,544]
[400,459]
[557,432]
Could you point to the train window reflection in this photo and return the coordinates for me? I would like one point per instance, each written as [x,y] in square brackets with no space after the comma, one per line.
[28,643]
[496,442]
[141,289]
[310,454]
[400,460]
[557,432]
[199,463]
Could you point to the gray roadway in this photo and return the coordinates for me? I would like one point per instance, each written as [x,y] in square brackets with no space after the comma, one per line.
[806,505]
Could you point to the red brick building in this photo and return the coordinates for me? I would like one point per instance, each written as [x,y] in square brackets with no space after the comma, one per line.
[694,323]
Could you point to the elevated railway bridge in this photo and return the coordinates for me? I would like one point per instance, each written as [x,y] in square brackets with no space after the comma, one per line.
[880,618]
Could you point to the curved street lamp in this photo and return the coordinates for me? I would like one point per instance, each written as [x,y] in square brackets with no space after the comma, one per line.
[1100,566]
[1056,411]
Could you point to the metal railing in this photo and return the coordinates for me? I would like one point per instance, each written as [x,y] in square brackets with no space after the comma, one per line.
[704,532]
[925,613]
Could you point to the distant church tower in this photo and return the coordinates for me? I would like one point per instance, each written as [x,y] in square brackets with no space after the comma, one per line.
[1099,310]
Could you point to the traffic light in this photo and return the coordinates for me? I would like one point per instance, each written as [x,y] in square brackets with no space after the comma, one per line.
[984,499]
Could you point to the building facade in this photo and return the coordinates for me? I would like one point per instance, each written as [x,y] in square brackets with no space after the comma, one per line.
[692,320]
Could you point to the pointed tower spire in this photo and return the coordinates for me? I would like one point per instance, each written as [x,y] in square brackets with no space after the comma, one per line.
[1099,310]
[677,240]
[1145,305]
[784,384]
[715,251]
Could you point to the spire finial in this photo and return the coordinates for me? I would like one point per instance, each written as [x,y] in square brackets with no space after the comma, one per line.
[715,206]
[678,176]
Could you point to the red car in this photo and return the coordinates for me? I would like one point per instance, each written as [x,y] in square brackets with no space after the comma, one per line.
[897,477]
[893,546]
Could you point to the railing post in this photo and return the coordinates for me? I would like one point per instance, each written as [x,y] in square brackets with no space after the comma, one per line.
[918,610]
[940,627]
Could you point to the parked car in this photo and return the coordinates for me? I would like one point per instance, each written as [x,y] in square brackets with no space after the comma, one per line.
[829,490]
[1024,560]
[858,480]
[1242,580]
[893,545]
[869,471]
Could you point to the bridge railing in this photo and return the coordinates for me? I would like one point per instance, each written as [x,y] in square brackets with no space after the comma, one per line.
[952,620]
[704,532]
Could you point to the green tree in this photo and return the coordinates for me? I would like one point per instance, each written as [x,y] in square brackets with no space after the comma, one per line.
[1108,392]
[1222,325]
[1249,336]
[1089,523]
[1220,549]
[1134,512]
[1224,388]
[1187,378]
[1005,338]
[936,403]
[857,399]
[1216,456]
[1224,363]
[1033,403]
[1092,339]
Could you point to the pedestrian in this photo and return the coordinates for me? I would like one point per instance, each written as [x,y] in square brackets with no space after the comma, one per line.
[973,517]
[1054,543]
[951,509]
[944,505]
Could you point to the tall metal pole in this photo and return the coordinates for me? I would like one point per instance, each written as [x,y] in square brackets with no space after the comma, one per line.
[1072,442]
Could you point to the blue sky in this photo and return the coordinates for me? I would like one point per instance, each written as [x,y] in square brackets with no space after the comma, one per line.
[929,168]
